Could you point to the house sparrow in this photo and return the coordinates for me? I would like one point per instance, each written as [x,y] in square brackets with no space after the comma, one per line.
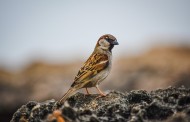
[96,68]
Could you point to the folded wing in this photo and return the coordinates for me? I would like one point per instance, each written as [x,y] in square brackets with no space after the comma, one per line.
[95,64]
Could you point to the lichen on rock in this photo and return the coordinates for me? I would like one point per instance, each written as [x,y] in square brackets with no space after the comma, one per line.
[136,106]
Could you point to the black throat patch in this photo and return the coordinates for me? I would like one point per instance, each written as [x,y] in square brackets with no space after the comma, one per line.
[111,47]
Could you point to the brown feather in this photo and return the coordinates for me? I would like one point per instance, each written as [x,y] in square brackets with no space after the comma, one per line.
[95,64]
[66,95]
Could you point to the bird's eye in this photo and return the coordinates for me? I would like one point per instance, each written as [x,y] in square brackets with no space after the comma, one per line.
[106,37]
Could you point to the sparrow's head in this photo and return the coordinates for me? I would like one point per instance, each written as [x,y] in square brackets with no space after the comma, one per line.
[107,42]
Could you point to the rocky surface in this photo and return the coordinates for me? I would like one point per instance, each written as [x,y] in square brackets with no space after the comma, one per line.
[168,105]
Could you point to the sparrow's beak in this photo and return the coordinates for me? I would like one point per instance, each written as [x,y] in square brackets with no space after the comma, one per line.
[115,43]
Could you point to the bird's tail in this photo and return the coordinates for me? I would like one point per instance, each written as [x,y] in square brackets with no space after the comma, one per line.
[66,95]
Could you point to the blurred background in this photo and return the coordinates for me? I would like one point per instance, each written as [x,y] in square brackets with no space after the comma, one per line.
[44,43]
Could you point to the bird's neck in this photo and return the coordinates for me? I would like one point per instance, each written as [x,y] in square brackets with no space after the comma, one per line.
[102,51]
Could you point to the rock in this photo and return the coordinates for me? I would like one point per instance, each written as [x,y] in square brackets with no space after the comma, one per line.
[171,104]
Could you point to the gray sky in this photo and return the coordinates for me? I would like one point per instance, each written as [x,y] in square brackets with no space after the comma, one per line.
[60,30]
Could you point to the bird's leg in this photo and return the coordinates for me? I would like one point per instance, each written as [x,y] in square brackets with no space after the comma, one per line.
[87,91]
[101,93]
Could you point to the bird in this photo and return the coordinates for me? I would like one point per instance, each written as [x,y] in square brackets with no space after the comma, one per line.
[95,69]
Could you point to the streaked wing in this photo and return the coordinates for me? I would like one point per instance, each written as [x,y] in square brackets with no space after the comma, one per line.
[95,64]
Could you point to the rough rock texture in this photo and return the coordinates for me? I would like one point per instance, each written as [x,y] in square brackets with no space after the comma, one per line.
[168,105]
